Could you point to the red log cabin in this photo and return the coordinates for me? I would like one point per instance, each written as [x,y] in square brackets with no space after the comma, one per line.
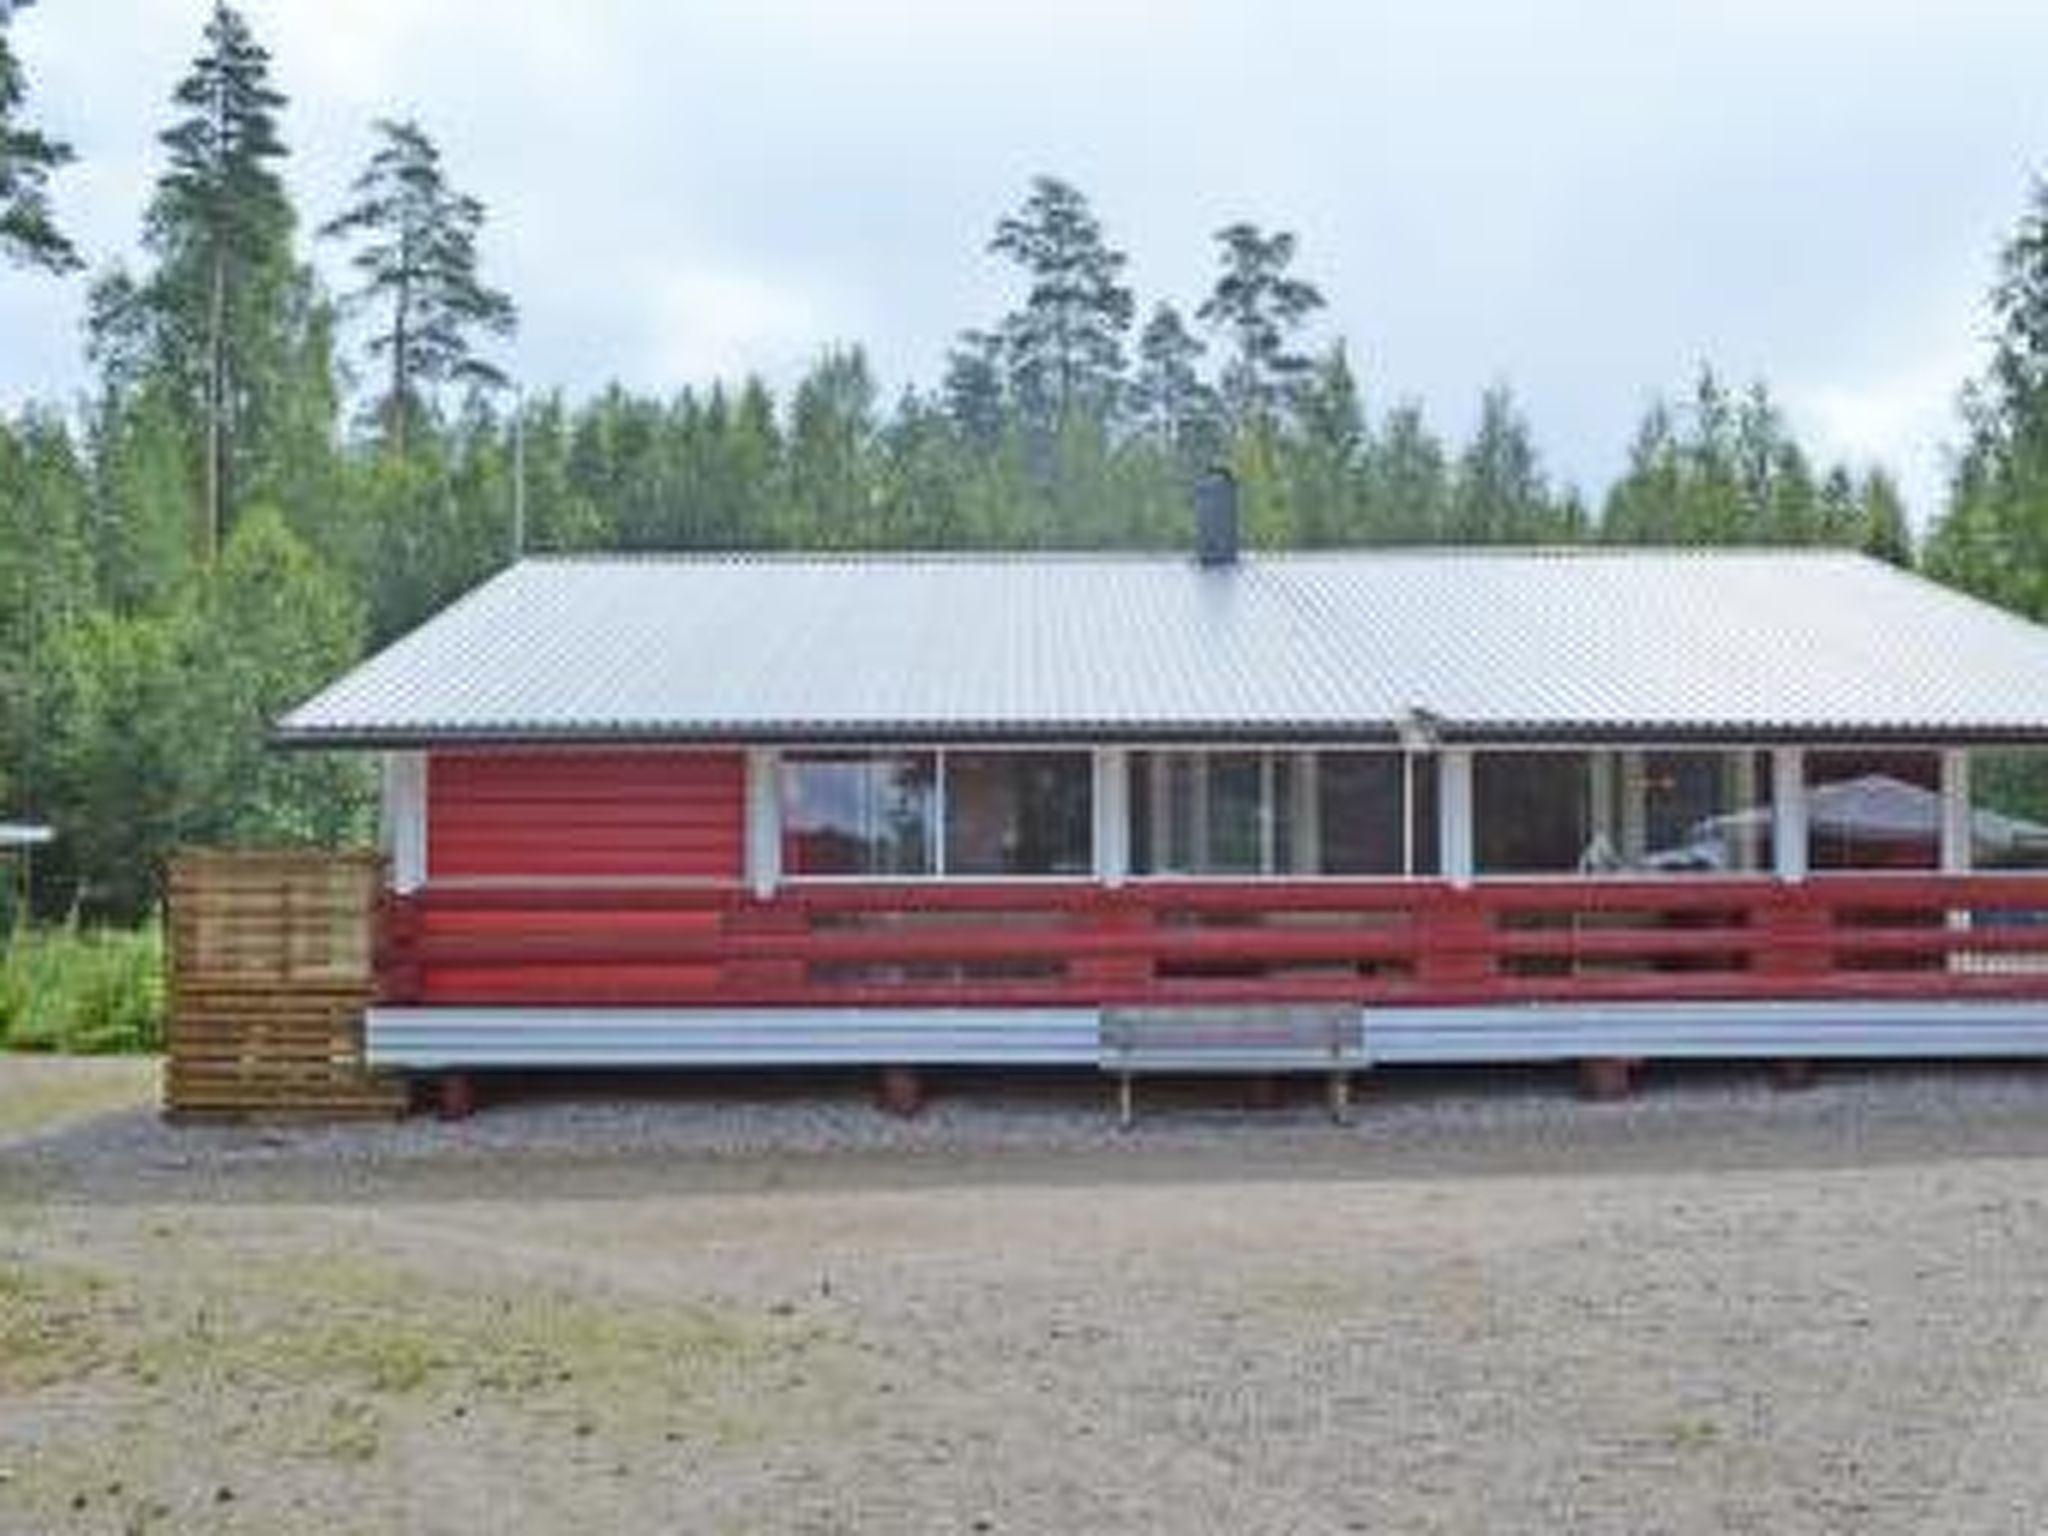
[1473,805]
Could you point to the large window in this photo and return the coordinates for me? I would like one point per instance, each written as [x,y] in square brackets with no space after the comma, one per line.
[1599,812]
[1873,810]
[1020,813]
[1281,813]
[878,813]
[2009,809]
[859,813]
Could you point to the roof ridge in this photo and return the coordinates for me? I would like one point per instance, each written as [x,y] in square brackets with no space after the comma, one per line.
[1603,552]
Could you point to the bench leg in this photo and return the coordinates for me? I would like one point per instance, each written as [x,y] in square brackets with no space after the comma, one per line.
[1340,1097]
[1126,1105]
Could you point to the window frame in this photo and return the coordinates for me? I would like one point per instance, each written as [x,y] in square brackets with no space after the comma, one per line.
[1099,876]
[1273,754]
[939,873]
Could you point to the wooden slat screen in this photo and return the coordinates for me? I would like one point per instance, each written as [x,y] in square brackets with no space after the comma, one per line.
[271,957]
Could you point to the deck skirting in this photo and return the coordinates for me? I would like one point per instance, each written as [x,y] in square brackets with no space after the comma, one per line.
[440,1038]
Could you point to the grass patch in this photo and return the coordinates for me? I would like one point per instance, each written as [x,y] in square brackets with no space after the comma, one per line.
[88,991]
[39,1094]
[372,1341]
[49,1325]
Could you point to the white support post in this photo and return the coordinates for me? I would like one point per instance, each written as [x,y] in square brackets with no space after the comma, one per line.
[1305,855]
[403,819]
[1958,828]
[1454,814]
[1633,776]
[1788,813]
[1605,831]
[1112,815]
[1955,811]
[764,822]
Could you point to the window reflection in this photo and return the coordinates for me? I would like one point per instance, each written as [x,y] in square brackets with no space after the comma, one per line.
[856,813]
[1621,811]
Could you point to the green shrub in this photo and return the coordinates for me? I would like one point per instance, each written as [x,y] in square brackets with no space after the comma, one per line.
[90,990]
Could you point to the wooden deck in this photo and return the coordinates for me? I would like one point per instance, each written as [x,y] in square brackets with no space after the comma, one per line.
[1832,938]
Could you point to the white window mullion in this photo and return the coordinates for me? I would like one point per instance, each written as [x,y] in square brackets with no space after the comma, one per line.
[1268,809]
[939,812]
[1955,811]
[404,818]
[1112,807]
[1454,814]
[1788,813]
[764,821]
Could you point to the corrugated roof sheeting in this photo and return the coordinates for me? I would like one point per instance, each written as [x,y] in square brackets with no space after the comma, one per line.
[1506,642]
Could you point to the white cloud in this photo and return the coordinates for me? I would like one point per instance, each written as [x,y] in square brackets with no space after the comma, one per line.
[722,322]
[1590,198]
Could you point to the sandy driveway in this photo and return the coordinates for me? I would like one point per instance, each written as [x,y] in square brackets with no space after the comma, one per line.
[1717,1309]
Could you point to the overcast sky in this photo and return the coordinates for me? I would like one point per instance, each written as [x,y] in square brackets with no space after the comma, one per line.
[1585,200]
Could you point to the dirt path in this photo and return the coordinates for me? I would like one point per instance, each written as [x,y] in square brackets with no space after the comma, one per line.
[1477,1317]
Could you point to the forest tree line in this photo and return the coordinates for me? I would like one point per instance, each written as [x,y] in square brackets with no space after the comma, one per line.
[270,477]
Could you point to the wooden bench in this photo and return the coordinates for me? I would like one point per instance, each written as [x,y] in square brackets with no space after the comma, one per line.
[1219,1040]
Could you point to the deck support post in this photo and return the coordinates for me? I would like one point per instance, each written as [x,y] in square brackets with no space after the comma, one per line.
[1605,1079]
[455,1096]
[1792,1074]
[1263,1091]
[900,1091]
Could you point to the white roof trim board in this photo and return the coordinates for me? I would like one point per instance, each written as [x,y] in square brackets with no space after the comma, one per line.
[1579,644]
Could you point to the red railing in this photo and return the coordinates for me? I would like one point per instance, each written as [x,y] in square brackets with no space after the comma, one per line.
[1845,937]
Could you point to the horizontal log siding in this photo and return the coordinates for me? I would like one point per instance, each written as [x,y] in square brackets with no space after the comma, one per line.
[548,815]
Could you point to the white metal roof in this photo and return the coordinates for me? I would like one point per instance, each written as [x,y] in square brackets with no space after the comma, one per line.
[1596,643]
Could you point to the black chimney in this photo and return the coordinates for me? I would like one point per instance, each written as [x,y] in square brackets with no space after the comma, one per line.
[1216,518]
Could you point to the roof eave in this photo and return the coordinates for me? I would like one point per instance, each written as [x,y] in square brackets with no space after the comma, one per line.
[1377,733]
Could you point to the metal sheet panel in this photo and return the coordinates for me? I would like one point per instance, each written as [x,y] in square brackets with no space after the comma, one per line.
[428,1039]
[1640,644]
[1671,1031]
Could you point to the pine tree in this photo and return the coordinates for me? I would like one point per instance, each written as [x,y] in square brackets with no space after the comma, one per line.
[1883,530]
[1407,488]
[831,435]
[975,402]
[418,262]
[1326,453]
[1642,506]
[1260,307]
[1065,345]
[1993,539]
[221,225]
[1169,402]
[28,233]
[1499,496]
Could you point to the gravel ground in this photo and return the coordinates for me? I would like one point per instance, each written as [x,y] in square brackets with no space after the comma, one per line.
[1485,1307]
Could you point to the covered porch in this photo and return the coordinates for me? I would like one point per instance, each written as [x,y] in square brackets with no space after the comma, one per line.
[1564,902]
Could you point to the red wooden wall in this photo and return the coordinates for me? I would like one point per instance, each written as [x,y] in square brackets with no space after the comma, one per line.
[546,815]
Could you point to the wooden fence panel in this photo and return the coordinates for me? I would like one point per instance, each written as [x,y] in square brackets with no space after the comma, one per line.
[272,960]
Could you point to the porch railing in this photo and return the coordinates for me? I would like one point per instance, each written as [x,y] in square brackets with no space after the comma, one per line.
[1832,937]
